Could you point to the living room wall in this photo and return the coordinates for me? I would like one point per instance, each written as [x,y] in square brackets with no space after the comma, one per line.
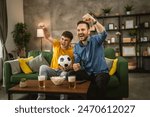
[60,15]
[15,15]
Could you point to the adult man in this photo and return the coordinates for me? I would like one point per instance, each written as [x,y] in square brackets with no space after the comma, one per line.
[60,47]
[89,57]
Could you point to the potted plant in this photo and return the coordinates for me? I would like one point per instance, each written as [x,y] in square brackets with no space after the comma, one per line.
[106,11]
[133,33]
[23,83]
[21,38]
[128,9]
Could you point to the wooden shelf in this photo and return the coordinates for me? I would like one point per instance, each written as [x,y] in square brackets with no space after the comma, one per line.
[128,43]
[138,20]
[124,15]
[111,43]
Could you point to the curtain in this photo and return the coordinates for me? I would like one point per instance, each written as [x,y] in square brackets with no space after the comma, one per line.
[3,27]
[3,31]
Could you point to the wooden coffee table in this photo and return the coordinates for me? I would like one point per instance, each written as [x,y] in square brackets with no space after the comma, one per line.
[32,87]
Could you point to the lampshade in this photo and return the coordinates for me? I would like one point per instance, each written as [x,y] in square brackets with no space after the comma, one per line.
[40,32]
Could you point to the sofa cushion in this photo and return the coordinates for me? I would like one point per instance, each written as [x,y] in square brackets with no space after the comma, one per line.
[17,77]
[113,68]
[47,55]
[112,65]
[15,67]
[23,64]
[36,62]
[113,82]
[109,62]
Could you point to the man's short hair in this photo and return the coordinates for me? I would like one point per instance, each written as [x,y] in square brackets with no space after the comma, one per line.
[83,22]
[68,34]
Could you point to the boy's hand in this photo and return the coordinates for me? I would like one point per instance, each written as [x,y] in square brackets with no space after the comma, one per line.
[66,68]
[46,33]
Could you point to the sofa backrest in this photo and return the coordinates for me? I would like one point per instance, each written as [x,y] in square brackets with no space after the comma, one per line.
[110,53]
[46,55]
[33,53]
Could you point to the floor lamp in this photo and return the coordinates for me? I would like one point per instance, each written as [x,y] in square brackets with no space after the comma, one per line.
[40,34]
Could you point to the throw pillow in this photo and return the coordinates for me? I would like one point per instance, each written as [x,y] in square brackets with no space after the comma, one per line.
[112,65]
[109,62]
[36,62]
[113,68]
[15,67]
[23,64]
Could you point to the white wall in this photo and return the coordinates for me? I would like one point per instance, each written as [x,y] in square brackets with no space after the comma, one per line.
[15,15]
[0,50]
[0,69]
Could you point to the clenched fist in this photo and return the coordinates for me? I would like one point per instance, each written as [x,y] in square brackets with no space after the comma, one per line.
[88,18]
[76,66]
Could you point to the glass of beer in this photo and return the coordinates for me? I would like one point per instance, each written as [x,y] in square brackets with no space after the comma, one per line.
[41,81]
[72,82]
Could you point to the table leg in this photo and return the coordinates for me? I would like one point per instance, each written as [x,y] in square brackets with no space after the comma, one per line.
[10,96]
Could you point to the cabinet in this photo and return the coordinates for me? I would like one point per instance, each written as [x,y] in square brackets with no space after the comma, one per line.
[129,35]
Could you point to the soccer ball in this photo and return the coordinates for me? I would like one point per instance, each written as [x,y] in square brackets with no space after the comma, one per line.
[64,61]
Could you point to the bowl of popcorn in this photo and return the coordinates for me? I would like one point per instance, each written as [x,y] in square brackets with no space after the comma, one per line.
[57,80]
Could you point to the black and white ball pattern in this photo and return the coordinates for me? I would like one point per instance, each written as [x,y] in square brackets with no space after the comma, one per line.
[64,61]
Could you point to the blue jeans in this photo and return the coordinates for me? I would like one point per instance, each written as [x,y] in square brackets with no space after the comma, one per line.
[97,89]
[48,72]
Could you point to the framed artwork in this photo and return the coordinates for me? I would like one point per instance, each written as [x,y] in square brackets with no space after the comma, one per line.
[144,39]
[129,24]
[146,24]
[111,26]
[128,50]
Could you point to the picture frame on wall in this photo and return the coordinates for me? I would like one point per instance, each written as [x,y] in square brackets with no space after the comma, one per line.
[111,26]
[146,24]
[144,39]
[129,24]
[128,51]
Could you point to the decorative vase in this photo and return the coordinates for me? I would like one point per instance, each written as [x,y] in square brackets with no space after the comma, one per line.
[106,14]
[22,84]
[128,12]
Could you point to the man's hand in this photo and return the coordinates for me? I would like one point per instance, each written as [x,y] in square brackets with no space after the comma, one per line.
[76,66]
[88,18]
[91,20]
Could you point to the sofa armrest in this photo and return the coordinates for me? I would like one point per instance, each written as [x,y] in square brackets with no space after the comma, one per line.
[7,75]
[122,74]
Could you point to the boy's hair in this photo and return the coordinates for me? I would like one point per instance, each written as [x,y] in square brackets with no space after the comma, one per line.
[68,34]
[83,22]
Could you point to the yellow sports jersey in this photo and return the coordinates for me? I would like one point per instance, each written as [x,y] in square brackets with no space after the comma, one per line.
[57,51]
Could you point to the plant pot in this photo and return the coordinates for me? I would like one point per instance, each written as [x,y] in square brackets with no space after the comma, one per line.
[23,84]
[106,14]
[128,12]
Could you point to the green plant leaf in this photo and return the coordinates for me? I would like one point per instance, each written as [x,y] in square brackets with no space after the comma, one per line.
[21,35]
